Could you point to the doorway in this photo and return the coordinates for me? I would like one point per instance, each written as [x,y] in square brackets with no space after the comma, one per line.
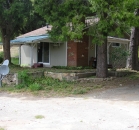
[43,52]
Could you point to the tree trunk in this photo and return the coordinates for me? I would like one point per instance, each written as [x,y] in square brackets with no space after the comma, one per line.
[6,43]
[102,70]
[132,61]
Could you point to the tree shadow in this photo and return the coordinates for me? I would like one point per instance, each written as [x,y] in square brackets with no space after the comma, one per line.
[125,93]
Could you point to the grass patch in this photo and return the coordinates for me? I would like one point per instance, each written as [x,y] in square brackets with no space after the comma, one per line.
[134,76]
[17,68]
[7,88]
[39,117]
[97,86]
[48,86]
[80,91]
[71,67]
[35,87]
[94,76]
[15,61]
[2,128]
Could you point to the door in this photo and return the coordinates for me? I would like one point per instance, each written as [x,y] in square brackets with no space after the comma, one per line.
[43,52]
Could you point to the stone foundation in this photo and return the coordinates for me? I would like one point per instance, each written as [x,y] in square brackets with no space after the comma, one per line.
[12,79]
[68,76]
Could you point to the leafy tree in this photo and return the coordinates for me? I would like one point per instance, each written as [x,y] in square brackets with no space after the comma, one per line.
[68,20]
[64,16]
[12,14]
[32,22]
[115,19]
[16,17]
[132,7]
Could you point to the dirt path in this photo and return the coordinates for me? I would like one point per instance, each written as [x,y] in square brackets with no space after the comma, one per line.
[111,109]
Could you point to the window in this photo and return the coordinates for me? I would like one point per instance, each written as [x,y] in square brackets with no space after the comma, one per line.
[116,44]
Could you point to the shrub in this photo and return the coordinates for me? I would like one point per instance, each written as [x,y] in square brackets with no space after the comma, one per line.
[24,77]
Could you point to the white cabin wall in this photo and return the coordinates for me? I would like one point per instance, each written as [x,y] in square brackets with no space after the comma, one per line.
[25,55]
[35,54]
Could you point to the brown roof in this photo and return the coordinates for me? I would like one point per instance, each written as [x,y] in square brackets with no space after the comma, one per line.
[40,31]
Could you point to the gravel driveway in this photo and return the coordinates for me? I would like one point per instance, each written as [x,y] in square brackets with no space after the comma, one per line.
[111,109]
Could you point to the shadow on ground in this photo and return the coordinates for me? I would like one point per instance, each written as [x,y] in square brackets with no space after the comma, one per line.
[125,93]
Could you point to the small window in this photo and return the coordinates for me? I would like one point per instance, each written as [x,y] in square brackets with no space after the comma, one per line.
[116,44]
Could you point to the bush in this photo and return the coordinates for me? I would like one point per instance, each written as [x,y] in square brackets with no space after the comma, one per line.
[24,77]
[28,82]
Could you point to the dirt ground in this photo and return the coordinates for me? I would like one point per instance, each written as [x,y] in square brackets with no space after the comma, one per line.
[114,107]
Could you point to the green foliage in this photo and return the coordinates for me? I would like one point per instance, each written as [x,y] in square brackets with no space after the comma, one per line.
[20,15]
[39,117]
[2,128]
[34,84]
[1,56]
[80,91]
[35,87]
[71,68]
[14,13]
[118,56]
[46,84]
[114,19]
[66,17]
[134,76]
[23,75]
[15,60]
[54,84]
[20,86]
[24,79]
[97,86]
[109,17]
[17,17]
